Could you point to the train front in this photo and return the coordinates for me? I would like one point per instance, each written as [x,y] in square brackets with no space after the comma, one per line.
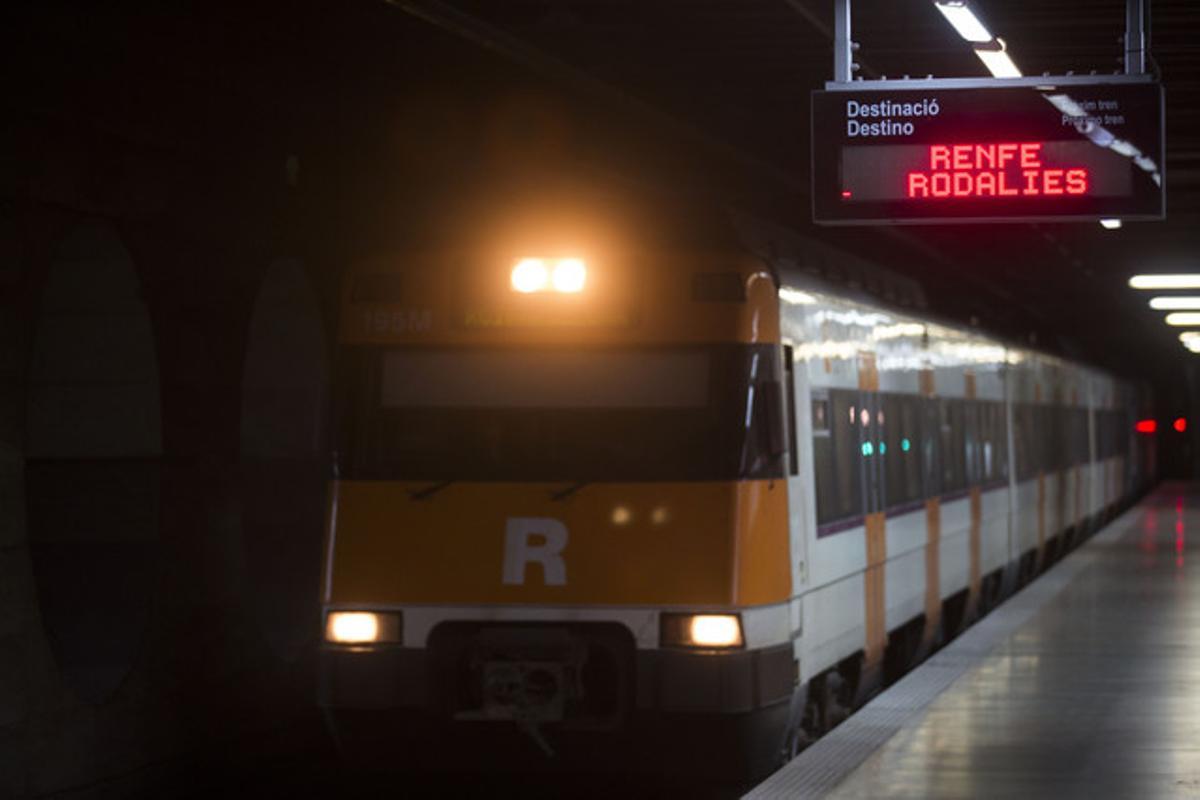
[558,531]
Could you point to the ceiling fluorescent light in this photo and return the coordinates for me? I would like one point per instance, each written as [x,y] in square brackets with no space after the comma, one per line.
[1179,318]
[997,61]
[960,14]
[1175,303]
[1110,224]
[1178,281]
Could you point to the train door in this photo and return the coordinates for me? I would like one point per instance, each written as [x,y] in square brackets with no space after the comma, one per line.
[801,499]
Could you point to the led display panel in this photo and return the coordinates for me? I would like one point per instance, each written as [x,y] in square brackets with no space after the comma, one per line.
[1003,154]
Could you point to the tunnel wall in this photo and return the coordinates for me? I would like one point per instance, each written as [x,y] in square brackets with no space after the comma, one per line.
[151,617]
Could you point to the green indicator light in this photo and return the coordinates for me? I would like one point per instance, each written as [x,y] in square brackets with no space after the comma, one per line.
[905,445]
[883,448]
[868,448]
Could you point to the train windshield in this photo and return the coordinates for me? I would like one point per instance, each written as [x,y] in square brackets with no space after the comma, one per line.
[684,413]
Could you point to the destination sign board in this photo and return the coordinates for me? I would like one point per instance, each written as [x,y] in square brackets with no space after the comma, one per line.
[992,154]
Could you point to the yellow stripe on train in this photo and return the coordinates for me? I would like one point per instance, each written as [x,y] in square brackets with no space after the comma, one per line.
[693,544]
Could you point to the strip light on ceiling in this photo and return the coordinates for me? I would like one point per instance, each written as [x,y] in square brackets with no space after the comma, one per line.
[1166,281]
[995,57]
[1182,318]
[962,16]
[1190,303]
[991,50]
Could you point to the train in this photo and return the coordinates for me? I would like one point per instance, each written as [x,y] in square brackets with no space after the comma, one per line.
[677,508]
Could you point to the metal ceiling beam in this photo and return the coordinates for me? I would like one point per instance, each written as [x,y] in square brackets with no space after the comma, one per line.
[843,47]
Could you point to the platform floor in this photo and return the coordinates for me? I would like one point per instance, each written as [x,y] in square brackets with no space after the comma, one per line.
[1084,685]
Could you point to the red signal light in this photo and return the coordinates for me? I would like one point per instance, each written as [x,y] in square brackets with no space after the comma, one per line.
[1146,426]
[1180,424]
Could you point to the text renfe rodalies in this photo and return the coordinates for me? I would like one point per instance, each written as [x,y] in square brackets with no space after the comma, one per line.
[857,113]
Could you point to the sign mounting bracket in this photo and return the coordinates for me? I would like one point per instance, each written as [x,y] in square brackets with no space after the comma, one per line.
[844,66]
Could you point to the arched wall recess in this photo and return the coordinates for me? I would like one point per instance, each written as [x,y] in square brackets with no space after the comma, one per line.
[285,455]
[93,460]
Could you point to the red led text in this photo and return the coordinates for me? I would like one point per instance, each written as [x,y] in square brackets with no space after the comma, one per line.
[1009,169]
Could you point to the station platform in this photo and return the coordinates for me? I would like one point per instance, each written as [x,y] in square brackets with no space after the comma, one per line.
[1086,684]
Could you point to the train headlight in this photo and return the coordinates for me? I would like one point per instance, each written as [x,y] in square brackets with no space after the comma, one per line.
[569,275]
[530,275]
[362,627]
[565,275]
[707,631]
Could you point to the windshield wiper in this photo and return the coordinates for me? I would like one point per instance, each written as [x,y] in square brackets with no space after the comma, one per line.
[428,491]
[563,494]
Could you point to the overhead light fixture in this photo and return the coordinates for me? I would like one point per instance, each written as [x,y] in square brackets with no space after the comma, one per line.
[1188,336]
[995,57]
[964,19]
[1190,303]
[1173,281]
[1180,318]
[1110,224]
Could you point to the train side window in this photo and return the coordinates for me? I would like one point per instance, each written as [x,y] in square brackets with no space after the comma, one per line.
[820,416]
[951,426]
[1018,452]
[789,377]
[911,408]
[1070,444]
[1032,442]
[1110,437]
[1114,438]
[1050,438]
[837,456]
[1062,437]
[902,456]
[847,437]
[774,411]
[823,469]
[1070,436]
[1075,436]
[1106,434]
[1002,439]
[1085,436]
[987,443]
[1026,462]
[1047,426]
[1123,429]
[1079,435]
[931,455]
[972,442]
